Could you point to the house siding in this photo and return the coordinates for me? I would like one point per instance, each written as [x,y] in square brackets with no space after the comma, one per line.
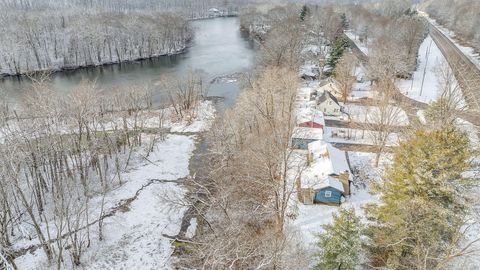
[334,199]
[298,143]
[329,109]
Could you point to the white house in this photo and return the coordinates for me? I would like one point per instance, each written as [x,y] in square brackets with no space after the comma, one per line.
[304,94]
[330,85]
[329,105]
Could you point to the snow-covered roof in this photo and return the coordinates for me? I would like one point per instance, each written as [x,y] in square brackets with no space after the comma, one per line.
[315,116]
[327,159]
[339,159]
[310,70]
[307,133]
[327,95]
[310,179]
[314,49]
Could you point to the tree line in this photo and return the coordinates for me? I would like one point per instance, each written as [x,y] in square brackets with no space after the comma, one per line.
[460,16]
[62,39]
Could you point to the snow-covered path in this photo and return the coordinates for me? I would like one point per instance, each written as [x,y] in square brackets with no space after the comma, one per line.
[424,85]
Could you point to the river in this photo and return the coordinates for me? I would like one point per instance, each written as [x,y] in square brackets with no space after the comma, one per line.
[217,49]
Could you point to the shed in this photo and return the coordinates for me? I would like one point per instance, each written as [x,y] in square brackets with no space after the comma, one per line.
[302,136]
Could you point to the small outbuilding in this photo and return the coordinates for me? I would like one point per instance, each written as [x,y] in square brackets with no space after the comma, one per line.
[214,12]
[302,136]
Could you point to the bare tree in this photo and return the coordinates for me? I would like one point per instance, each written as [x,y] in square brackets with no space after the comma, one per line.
[253,179]
[345,75]
[383,119]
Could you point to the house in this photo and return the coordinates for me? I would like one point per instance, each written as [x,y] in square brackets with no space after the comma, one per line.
[327,170]
[330,85]
[313,120]
[214,12]
[302,136]
[332,160]
[329,105]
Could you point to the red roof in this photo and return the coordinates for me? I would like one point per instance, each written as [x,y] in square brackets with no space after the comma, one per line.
[310,124]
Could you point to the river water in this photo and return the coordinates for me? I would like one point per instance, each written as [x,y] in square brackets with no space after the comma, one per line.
[218,49]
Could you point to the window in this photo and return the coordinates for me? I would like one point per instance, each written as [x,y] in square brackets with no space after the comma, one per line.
[328,194]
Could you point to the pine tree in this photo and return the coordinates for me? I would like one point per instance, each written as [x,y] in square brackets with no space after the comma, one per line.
[345,23]
[424,201]
[304,13]
[340,245]
[338,46]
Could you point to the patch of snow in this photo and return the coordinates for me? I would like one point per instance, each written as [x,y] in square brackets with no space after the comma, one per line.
[421,117]
[192,228]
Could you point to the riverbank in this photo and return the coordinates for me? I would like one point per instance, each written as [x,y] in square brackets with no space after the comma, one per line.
[33,73]
[133,235]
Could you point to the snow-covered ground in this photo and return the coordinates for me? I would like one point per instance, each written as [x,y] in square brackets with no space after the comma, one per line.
[356,136]
[371,114]
[135,237]
[424,85]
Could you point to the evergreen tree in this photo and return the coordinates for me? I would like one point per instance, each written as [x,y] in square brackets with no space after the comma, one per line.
[338,46]
[305,11]
[424,201]
[345,23]
[340,244]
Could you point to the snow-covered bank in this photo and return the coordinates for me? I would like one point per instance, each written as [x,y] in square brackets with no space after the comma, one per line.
[142,212]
